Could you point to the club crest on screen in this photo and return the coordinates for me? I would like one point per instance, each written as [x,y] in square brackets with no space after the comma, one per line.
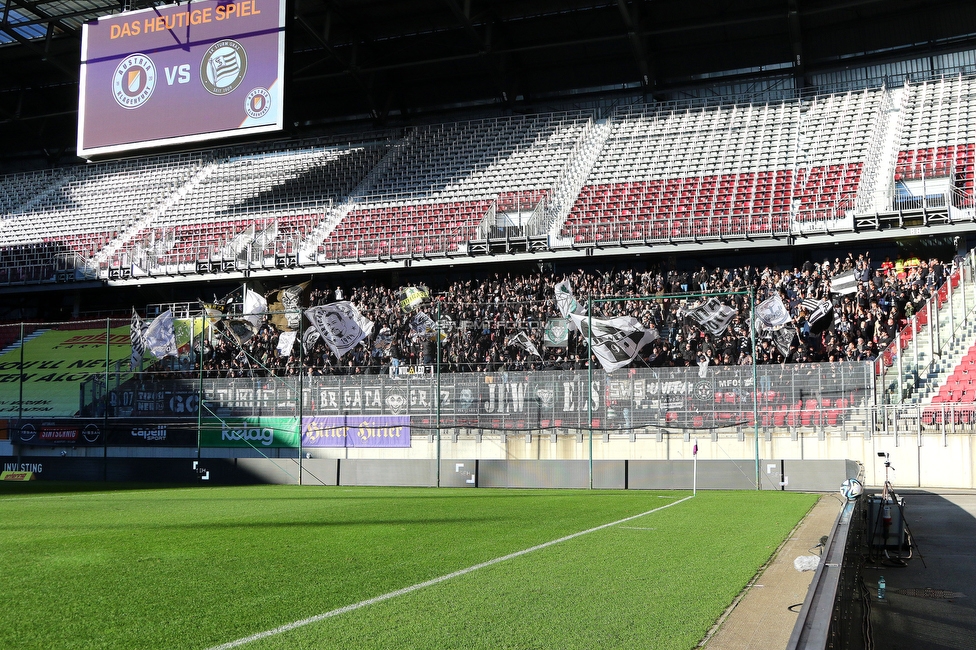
[257,103]
[134,81]
[223,67]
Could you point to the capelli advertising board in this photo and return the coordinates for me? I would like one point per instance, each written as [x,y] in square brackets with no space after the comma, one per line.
[181,73]
[79,432]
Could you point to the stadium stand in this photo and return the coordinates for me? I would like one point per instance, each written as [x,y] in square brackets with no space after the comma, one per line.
[649,173]
[272,199]
[448,184]
[671,172]
[937,148]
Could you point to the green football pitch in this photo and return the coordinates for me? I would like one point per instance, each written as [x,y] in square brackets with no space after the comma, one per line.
[106,566]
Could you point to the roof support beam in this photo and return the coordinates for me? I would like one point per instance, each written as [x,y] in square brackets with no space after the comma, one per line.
[632,20]
[796,43]
[350,67]
[482,42]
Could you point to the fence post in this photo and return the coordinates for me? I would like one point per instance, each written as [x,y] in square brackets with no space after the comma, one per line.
[952,317]
[20,383]
[899,368]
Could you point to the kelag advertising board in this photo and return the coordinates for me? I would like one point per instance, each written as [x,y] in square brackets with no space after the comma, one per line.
[181,73]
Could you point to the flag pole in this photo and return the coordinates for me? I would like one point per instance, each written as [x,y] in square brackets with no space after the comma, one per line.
[694,477]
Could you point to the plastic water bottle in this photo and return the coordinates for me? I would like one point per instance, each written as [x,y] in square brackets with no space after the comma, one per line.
[881,588]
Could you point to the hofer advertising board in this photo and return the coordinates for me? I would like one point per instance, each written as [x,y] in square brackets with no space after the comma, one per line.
[181,73]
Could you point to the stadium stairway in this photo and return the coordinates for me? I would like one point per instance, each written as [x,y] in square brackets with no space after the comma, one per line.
[873,195]
[957,337]
[121,242]
[309,249]
[566,194]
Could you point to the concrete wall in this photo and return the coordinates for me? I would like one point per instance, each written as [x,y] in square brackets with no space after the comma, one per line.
[817,476]
[925,460]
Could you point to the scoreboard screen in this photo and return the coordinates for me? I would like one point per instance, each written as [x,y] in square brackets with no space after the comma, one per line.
[181,73]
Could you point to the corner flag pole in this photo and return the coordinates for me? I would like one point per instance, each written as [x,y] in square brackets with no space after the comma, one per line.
[694,477]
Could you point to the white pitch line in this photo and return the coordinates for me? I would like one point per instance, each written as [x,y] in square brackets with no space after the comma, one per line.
[420,585]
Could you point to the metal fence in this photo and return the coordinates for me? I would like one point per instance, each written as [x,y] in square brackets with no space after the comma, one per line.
[821,395]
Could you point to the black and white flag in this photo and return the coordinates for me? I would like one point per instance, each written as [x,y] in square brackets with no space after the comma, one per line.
[286,341]
[137,337]
[340,324]
[615,341]
[819,314]
[844,283]
[422,326]
[309,339]
[783,339]
[522,340]
[712,316]
[160,337]
[255,307]
[772,314]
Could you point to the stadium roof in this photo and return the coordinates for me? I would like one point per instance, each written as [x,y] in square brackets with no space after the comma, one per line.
[379,61]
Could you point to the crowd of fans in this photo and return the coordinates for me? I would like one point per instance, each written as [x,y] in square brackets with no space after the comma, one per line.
[485,314]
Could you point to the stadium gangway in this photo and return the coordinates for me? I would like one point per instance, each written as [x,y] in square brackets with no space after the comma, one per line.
[923,342]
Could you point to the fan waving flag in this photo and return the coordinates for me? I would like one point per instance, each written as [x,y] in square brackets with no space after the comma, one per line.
[615,341]
[772,314]
[567,303]
[712,316]
[412,298]
[287,308]
[160,337]
[557,333]
[286,342]
[844,283]
[819,314]
[522,340]
[340,325]
[255,307]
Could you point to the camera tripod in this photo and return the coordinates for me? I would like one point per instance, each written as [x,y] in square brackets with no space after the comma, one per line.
[884,521]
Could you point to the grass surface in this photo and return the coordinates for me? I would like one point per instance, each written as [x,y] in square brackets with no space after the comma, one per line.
[200,567]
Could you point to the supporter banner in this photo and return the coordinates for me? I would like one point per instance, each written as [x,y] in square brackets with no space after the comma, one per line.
[75,432]
[55,363]
[251,431]
[356,431]
[154,399]
[641,396]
